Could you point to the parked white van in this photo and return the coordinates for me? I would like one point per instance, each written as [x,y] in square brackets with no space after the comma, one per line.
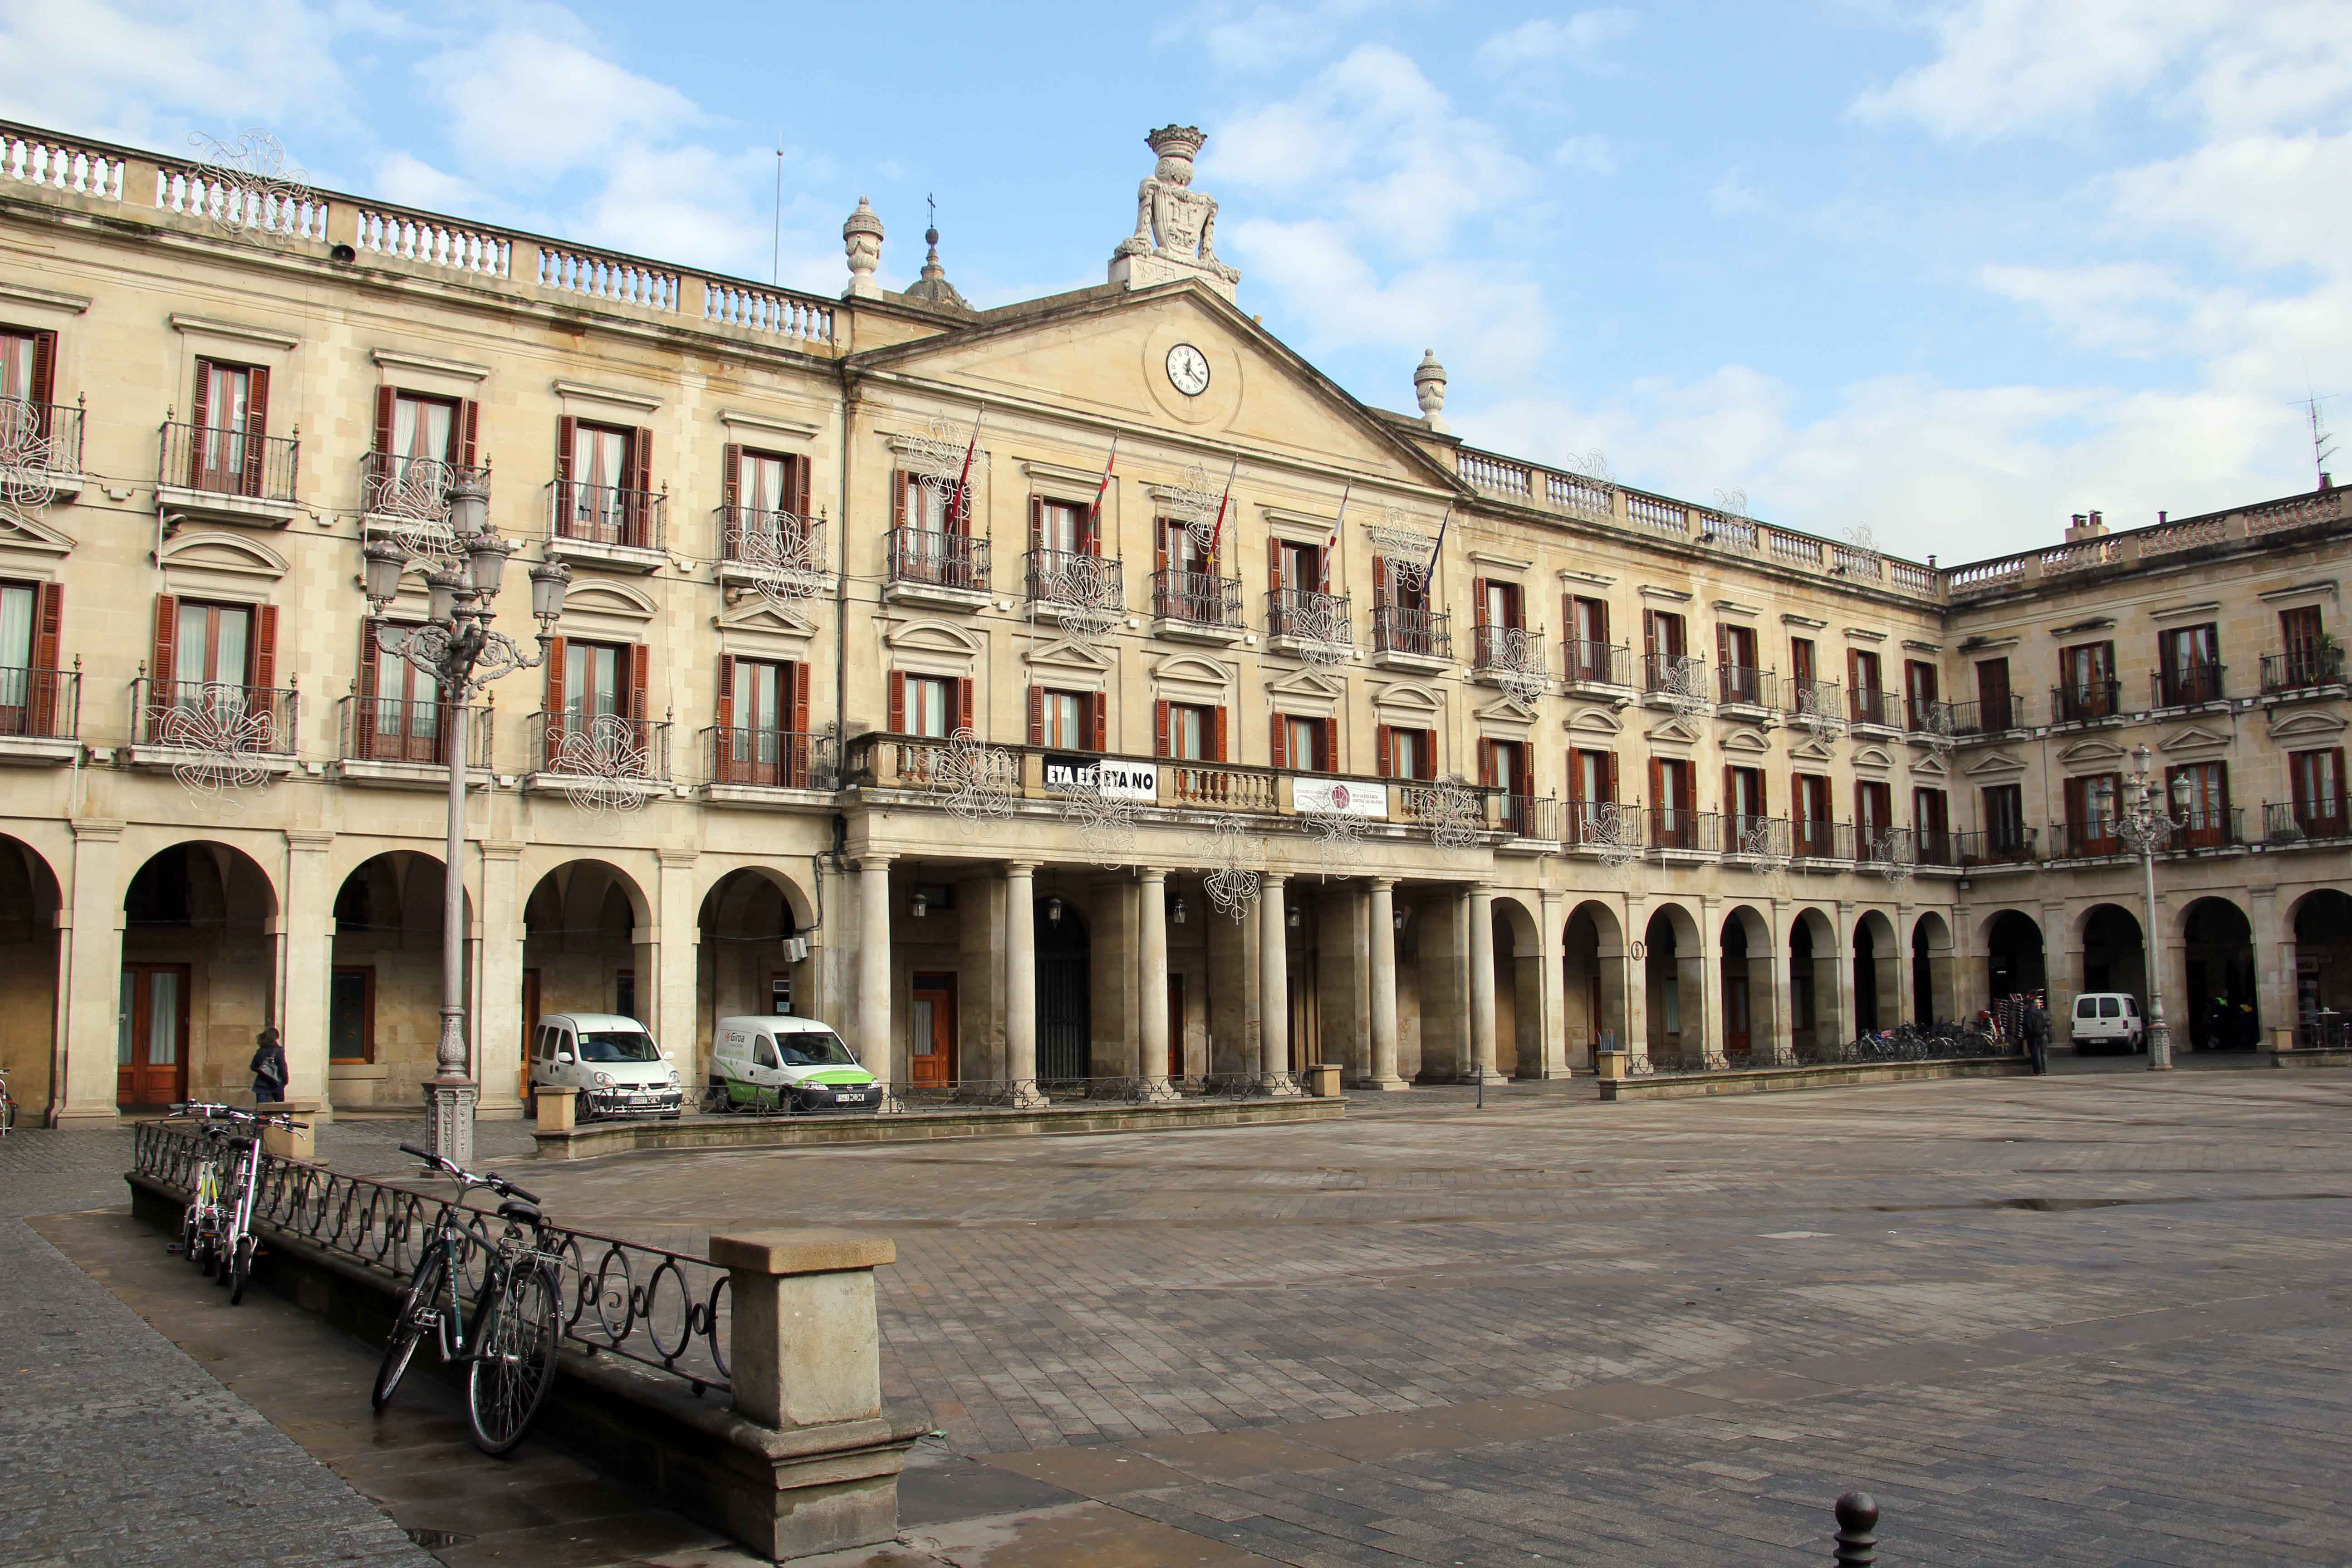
[2108,1020]
[610,1060]
[775,1061]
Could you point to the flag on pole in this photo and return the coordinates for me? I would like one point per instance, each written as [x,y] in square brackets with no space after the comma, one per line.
[1103,489]
[1331,545]
[1217,534]
[1430,576]
[963,480]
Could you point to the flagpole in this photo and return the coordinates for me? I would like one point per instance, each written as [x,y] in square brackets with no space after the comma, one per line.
[1331,545]
[963,479]
[1095,511]
[1217,534]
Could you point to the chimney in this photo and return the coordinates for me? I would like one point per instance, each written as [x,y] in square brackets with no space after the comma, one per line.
[2159,515]
[2085,528]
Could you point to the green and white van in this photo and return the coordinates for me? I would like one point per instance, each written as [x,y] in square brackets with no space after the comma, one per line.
[777,1062]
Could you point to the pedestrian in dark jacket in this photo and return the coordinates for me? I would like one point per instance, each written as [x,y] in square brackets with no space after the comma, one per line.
[268,1067]
[2037,1035]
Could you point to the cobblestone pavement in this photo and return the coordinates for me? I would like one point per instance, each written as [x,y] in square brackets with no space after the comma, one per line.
[2094,1318]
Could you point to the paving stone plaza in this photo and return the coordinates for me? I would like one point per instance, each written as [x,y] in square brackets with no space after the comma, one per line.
[2098,1318]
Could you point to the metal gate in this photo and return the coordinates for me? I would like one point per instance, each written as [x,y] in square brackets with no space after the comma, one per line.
[1065,1017]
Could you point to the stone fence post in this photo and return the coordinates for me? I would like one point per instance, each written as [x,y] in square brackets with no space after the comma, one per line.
[805,1361]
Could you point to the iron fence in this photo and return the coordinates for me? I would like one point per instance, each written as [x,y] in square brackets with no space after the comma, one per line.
[40,704]
[1995,846]
[398,729]
[1604,824]
[1305,613]
[229,461]
[2301,669]
[217,716]
[664,1310]
[589,513]
[2290,821]
[1907,1043]
[1874,705]
[1737,683]
[1524,816]
[58,424]
[937,559]
[1988,715]
[1197,598]
[1599,663]
[770,759]
[1402,628]
[2080,702]
[2187,686]
[1819,838]
[1672,828]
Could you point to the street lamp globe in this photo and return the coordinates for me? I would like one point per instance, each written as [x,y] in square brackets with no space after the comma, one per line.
[470,505]
[550,580]
[486,557]
[444,584]
[383,569]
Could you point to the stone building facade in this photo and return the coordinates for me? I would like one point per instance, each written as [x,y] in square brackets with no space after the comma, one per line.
[1086,688]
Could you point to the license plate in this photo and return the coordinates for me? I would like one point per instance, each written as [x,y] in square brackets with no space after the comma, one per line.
[851,1098]
[645,1099]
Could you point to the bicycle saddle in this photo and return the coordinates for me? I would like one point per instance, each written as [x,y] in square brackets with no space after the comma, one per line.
[518,1211]
[240,1141]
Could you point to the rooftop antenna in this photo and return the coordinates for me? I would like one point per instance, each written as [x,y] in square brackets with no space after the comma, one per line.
[2323,443]
[776,254]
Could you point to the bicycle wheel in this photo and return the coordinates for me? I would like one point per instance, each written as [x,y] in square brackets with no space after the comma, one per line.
[423,1297]
[239,1268]
[188,1231]
[519,1329]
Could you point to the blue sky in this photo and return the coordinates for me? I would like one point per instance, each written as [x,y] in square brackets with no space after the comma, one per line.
[1947,271]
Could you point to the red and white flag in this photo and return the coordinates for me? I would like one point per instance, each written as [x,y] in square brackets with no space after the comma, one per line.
[1331,545]
[1217,534]
[963,479]
[1103,489]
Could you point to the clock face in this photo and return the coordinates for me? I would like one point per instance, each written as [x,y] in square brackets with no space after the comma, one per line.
[1187,370]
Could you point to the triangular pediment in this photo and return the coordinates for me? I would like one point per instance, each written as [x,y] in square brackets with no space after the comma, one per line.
[1675,733]
[2085,754]
[1308,683]
[19,531]
[1104,355]
[1507,710]
[1746,739]
[1595,720]
[935,636]
[2311,723]
[230,552]
[2194,738]
[1813,749]
[1994,762]
[755,615]
[1930,766]
[1066,654]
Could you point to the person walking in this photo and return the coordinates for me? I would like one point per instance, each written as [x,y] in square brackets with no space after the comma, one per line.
[268,1068]
[2037,1035]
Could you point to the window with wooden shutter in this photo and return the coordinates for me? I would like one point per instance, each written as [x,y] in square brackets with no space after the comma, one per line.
[1160,728]
[897,721]
[558,663]
[263,663]
[727,691]
[1384,750]
[257,427]
[1224,746]
[640,682]
[1098,720]
[963,705]
[1037,715]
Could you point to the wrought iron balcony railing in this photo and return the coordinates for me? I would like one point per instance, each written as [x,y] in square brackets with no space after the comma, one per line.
[1750,835]
[937,559]
[769,540]
[1989,716]
[1524,816]
[1076,578]
[1886,845]
[1304,613]
[1403,628]
[2188,685]
[1599,663]
[395,730]
[1197,598]
[2081,702]
[217,716]
[1871,705]
[1604,824]
[1667,674]
[2290,821]
[770,759]
[394,486]
[44,437]
[1995,846]
[40,704]
[607,514]
[1810,700]
[2301,669]
[1501,648]
[606,745]
[1672,828]
[229,462]
[1937,846]
[1740,686]
[1819,838]
[2092,840]
[2218,827]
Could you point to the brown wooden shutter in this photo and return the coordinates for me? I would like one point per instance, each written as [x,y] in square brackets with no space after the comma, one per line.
[1763,795]
[567,434]
[256,426]
[1099,724]
[1478,601]
[44,372]
[1159,544]
[800,674]
[1274,565]
[1224,752]
[469,431]
[641,658]
[799,478]
[1384,750]
[898,500]
[48,630]
[1036,522]
[1160,728]
[1730,792]
[1274,745]
[200,408]
[2077,814]
[555,647]
[387,401]
[1854,669]
[363,716]
[1723,646]
[1613,793]
[731,458]
[727,691]
[1657,789]
[641,459]
[897,702]
[1037,715]
[1380,581]
[262,660]
[1649,632]
[963,703]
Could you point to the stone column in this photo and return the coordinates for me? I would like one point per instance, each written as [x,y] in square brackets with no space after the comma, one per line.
[1151,930]
[874,965]
[1634,1039]
[1781,1051]
[1382,932]
[1849,981]
[1273,980]
[2274,957]
[1906,916]
[676,1021]
[93,996]
[497,996]
[308,951]
[1021,982]
[1482,984]
[1552,950]
[1710,987]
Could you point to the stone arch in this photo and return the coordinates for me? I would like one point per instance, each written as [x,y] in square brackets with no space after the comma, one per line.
[2015,961]
[1817,1022]
[741,963]
[1673,979]
[1751,1031]
[1877,973]
[1935,976]
[588,944]
[30,896]
[1592,980]
[1518,988]
[2113,950]
[383,980]
[199,972]
[2320,923]
[2220,1009]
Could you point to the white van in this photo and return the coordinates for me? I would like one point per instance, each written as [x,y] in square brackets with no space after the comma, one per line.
[610,1060]
[778,1062]
[2107,1020]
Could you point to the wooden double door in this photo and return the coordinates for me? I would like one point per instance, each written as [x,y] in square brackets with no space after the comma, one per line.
[151,1058]
[931,1031]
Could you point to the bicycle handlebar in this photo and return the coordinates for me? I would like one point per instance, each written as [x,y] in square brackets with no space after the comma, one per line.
[491,1180]
[236,1113]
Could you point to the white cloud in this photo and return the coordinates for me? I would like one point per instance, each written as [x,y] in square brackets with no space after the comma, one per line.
[2273,201]
[1594,154]
[2131,308]
[1579,39]
[523,105]
[411,182]
[1264,37]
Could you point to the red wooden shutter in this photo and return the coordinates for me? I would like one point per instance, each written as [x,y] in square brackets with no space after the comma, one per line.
[1160,728]
[641,459]
[1657,791]
[963,703]
[470,430]
[1730,792]
[567,434]
[48,628]
[800,674]
[1384,750]
[1723,646]
[1478,601]
[1274,565]
[727,692]
[1037,715]
[1159,545]
[2077,814]
[798,478]
[897,702]
[263,661]
[1223,751]
[1277,745]
[256,426]
[44,372]
[1380,581]
[555,647]
[898,500]
[1854,669]
[364,715]
[1036,522]
[387,399]
[1101,720]
[1613,776]
[201,406]
[641,656]
[731,458]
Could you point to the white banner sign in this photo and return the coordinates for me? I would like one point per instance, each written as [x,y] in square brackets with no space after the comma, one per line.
[1121,780]
[1344,799]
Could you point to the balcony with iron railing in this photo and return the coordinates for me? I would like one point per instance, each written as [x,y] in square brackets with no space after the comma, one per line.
[2203,830]
[217,727]
[1524,816]
[228,475]
[607,525]
[748,758]
[1674,829]
[2187,686]
[40,448]
[40,714]
[1820,839]
[395,489]
[1936,847]
[1887,846]
[608,747]
[1873,707]
[2099,838]
[1497,650]
[932,566]
[2312,669]
[409,737]
[2086,702]
[2295,824]
[1302,615]
[1744,834]
[1604,825]
[1995,846]
[1412,633]
[759,541]
[1197,606]
[1669,675]
[1984,716]
[1738,686]
[1075,582]
[1598,664]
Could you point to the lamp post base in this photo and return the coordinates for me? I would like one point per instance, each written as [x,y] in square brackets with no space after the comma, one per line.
[450,1102]
[2159,1049]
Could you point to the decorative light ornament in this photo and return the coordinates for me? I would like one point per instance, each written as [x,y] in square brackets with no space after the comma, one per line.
[1766,854]
[1081,591]
[1820,713]
[1617,835]
[919,903]
[1106,821]
[1338,835]
[250,190]
[605,767]
[1193,500]
[226,741]
[1177,912]
[1893,857]
[1449,809]
[1318,625]
[1398,919]
[1686,684]
[985,780]
[783,556]
[1292,918]
[1514,657]
[26,482]
[1054,910]
[1228,852]
[1405,548]
[1936,729]
[935,458]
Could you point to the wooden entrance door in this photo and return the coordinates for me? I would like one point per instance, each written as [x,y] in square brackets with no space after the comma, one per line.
[1735,1015]
[150,1061]
[1175,1025]
[931,1030]
[529,1032]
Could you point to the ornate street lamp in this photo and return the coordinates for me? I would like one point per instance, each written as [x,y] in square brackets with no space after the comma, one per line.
[458,648]
[2146,826]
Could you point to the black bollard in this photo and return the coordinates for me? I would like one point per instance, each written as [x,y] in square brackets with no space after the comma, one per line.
[1857,1541]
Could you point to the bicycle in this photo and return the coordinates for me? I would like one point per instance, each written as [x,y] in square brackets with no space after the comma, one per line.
[7,1106]
[219,1220]
[200,1221]
[508,1349]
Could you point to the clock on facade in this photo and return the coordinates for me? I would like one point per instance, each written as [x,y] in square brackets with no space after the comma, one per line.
[1187,370]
